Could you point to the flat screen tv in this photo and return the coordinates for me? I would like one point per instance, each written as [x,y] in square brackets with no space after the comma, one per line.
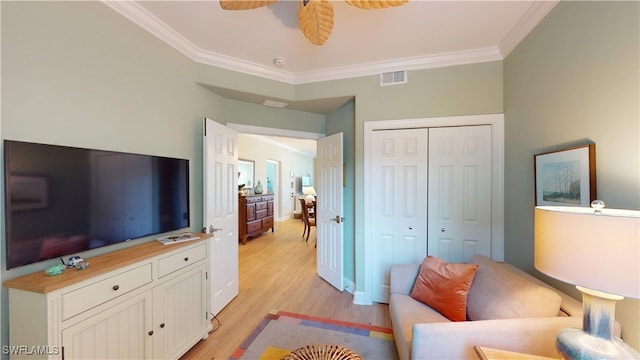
[63,200]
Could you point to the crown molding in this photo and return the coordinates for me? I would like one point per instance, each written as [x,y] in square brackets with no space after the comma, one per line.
[531,18]
[410,63]
[144,19]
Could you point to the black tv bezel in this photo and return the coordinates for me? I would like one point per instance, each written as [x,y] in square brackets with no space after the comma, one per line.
[7,206]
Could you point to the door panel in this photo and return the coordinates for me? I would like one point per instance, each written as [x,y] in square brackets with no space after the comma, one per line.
[460,192]
[221,211]
[399,205]
[329,228]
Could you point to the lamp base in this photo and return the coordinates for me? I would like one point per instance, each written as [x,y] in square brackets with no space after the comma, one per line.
[576,344]
[596,339]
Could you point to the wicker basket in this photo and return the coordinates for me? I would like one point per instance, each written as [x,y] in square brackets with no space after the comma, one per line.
[322,352]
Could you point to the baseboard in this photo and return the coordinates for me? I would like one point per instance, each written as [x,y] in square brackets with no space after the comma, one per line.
[359,298]
[349,286]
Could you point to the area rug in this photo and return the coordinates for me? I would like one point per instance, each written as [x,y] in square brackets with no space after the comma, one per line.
[281,332]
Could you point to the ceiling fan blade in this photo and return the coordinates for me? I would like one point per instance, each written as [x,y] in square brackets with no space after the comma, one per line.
[375,4]
[315,19]
[244,4]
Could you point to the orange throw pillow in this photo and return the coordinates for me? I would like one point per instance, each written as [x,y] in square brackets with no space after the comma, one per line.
[444,286]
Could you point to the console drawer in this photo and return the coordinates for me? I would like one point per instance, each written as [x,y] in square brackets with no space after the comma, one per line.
[169,264]
[261,206]
[267,223]
[254,226]
[80,300]
[261,213]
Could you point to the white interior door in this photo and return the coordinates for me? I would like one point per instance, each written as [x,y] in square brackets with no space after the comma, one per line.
[329,205]
[399,181]
[460,192]
[221,211]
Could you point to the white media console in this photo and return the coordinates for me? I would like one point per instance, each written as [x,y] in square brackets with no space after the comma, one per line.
[147,301]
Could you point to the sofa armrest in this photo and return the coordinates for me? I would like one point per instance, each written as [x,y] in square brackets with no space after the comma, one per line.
[402,277]
[456,340]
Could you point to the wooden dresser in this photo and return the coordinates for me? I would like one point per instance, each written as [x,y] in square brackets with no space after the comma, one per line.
[255,215]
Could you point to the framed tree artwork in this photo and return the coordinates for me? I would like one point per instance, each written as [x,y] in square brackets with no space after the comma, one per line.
[566,177]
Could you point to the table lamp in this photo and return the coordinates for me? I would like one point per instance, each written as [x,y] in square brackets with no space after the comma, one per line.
[310,192]
[598,250]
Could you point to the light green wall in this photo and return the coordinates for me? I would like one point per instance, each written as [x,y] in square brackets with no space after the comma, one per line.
[458,90]
[574,79]
[86,76]
[341,120]
[259,115]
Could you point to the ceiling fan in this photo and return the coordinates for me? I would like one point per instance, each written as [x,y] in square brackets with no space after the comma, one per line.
[315,17]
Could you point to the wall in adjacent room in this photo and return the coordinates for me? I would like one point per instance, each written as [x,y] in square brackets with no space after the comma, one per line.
[574,80]
[259,151]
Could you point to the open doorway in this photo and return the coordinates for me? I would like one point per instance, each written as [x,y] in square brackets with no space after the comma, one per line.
[277,154]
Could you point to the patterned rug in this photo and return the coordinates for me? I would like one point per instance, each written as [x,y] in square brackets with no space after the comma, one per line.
[281,332]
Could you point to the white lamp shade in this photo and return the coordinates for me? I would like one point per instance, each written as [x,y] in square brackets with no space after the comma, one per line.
[596,251]
[309,190]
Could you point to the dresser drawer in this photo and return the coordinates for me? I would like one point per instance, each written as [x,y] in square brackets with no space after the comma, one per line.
[172,263]
[267,198]
[254,226]
[261,206]
[267,223]
[253,199]
[80,300]
[261,213]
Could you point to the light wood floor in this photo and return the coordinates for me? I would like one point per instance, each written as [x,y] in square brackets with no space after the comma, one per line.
[278,272]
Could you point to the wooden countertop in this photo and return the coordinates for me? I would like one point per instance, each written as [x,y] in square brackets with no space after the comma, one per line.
[39,282]
[485,353]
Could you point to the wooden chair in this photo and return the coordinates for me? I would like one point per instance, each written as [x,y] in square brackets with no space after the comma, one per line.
[306,219]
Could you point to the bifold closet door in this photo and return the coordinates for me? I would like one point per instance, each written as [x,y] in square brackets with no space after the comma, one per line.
[399,203]
[459,192]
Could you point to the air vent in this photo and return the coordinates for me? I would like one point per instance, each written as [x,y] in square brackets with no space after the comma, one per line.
[393,78]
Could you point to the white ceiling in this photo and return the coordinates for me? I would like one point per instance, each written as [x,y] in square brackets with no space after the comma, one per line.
[419,34]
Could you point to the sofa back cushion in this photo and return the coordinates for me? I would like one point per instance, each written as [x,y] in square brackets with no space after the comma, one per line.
[497,293]
[444,286]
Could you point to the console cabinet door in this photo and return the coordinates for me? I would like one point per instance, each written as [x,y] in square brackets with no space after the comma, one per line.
[121,331]
[180,313]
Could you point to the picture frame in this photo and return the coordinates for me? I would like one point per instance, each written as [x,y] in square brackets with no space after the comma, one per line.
[566,177]
[28,193]
[246,174]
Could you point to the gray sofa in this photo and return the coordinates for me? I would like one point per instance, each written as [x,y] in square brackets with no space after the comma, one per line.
[506,309]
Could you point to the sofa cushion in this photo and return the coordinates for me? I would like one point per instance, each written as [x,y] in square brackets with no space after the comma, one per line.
[405,312]
[444,286]
[497,293]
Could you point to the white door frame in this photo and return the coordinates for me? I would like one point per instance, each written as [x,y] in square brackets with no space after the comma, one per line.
[497,185]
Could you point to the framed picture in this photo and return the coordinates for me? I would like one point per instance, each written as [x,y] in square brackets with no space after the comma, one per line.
[566,177]
[28,192]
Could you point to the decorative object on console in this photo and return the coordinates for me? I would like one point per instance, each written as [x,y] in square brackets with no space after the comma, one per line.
[599,251]
[566,177]
[311,194]
[56,269]
[258,189]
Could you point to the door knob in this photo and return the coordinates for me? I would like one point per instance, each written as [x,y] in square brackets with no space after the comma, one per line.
[338,219]
[213,229]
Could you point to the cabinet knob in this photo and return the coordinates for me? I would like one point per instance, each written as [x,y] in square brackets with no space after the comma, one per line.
[186,259]
[151,333]
[116,287]
[162,326]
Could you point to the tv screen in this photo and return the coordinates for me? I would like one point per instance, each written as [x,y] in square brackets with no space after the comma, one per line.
[63,200]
